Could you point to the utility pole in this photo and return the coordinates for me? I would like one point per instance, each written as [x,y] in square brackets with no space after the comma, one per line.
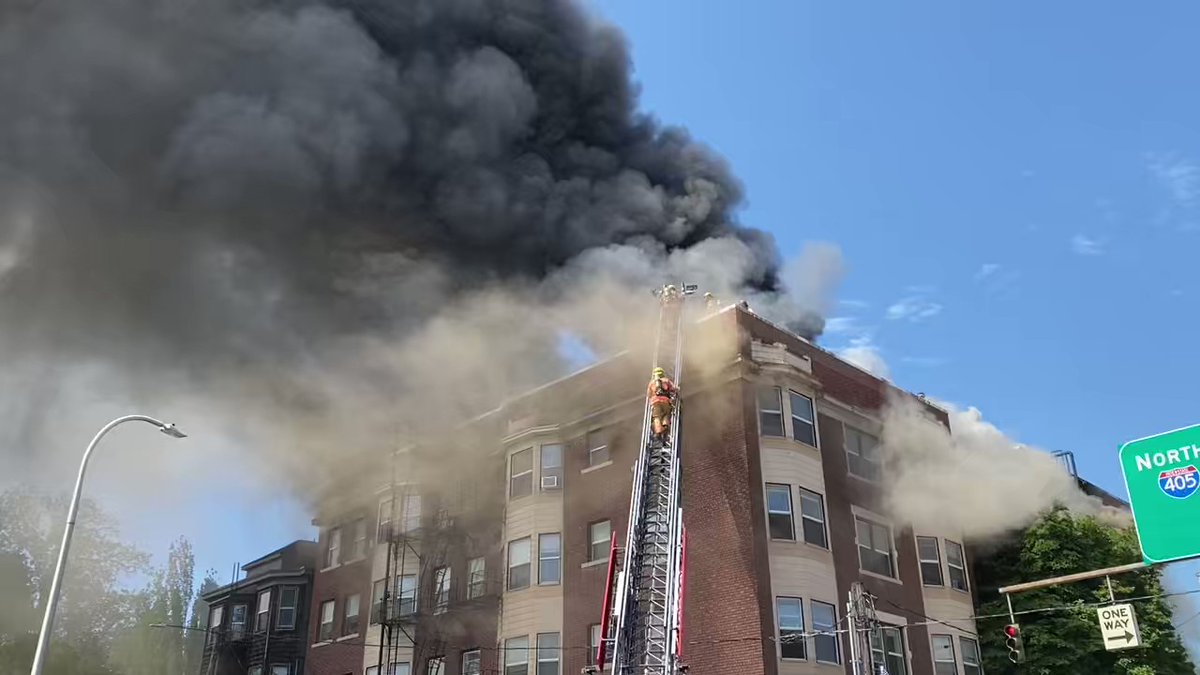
[861,620]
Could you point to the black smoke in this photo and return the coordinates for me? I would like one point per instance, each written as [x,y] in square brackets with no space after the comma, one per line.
[226,180]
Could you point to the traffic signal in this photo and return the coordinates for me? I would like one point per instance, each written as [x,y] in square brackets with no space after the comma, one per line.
[1016,647]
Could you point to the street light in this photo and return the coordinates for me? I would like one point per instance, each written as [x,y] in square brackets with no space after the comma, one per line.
[39,657]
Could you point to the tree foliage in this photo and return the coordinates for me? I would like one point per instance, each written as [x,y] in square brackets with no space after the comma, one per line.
[1067,641]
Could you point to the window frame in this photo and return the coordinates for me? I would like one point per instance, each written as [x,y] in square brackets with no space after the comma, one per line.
[822,521]
[556,559]
[831,628]
[891,544]
[593,449]
[975,668]
[810,423]
[441,665]
[552,470]
[406,593]
[593,644]
[476,587]
[779,628]
[411,518]
[527,543]
[883,650]
[467,657]
[514,476]
[378,597]
[333,547]
[359,530]
[874,461]
[234,624]
[321,623]
[961,567]
[351,619]
[383,525]
[513,650]
[773,515]
[763,412]
[280,624]
[442,580]
[936,562]
[262,617]
[214,624]
[287,670]
[605,545]
[556,649]
[933,638]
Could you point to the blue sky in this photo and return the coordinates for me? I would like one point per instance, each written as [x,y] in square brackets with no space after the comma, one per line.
[1015,188]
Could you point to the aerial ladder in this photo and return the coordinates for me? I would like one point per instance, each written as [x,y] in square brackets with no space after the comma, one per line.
[641,624]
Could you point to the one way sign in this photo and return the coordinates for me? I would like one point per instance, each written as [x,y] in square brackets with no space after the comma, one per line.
[1118,627]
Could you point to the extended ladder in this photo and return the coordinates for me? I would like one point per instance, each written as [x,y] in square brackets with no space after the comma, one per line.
[643,613]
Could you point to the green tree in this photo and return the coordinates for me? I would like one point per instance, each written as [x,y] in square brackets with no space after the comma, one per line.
[1067,641]
[194,638]
[155,644]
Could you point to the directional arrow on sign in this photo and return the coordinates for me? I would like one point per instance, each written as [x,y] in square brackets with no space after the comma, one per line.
[1128,637]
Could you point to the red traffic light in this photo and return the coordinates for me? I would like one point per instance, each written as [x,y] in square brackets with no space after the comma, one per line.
[1012,631]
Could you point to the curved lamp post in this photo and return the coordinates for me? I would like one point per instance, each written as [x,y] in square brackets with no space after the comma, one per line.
[39,657]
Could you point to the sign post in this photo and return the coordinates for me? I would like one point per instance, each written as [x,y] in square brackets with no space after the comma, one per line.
[1119,627]
[1162,477]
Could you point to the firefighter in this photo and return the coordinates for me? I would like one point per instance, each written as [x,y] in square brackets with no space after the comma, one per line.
[662,393]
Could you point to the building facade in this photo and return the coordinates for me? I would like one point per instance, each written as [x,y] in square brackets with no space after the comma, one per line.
[488,554]
[258,625]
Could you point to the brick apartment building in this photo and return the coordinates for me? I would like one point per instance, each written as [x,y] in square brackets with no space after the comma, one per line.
[258,624]
[490,550]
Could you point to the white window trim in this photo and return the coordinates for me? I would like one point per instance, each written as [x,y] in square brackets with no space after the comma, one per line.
[864,515]
[442,585]
[791,510]
[594,467]
[966,576]
[592,544]
[800,489]
[471,582]
[462,663]
[512,477]
[836,636]
[508,561]
[878,462]
[779,628]
[783,416]
[791,417]
[332,603]
[921,561]
[953,650]
[591,450]
[558,558]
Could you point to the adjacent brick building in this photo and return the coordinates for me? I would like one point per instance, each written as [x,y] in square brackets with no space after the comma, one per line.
[258,624]
[487,554]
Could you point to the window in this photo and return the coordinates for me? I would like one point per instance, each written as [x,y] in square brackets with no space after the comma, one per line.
[254,670]
[412,514]
[377,601]
[779,511]
[289,597]
[593,643]
[372,670]
[943,655]
[441,584]
[325,630]
[281,670]
[386,513]
[215,616]
[518,564]
[862,454]
[804,429]
[237,621]
[350,615]
[549,558]
[471,664]
[600,536]
[333,547]
[476,578]
[552,467]
[954,562]
[406,594]
[520,474]
[791,628]
[516,656]
[887,648]
[435,666]
[360,538]
[874,547]
[812,518]
[547,653]
[597,447]
[824,619]
[970,654]
[262,617]
[400,668]
[770,411]
[931,561]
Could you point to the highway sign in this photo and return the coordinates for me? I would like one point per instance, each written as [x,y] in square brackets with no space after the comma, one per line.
[1162,478]
[1119,627]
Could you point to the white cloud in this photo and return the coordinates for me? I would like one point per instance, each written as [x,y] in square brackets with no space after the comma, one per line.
[1082,244]
[853,304]
[866,356]
[986,270]
[841,325]
[913,308]
[1180,176]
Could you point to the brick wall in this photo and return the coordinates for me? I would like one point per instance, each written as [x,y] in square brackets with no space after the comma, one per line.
[338,658]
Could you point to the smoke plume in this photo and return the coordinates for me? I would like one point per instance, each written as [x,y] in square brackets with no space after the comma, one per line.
[994,484]
[338,221]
